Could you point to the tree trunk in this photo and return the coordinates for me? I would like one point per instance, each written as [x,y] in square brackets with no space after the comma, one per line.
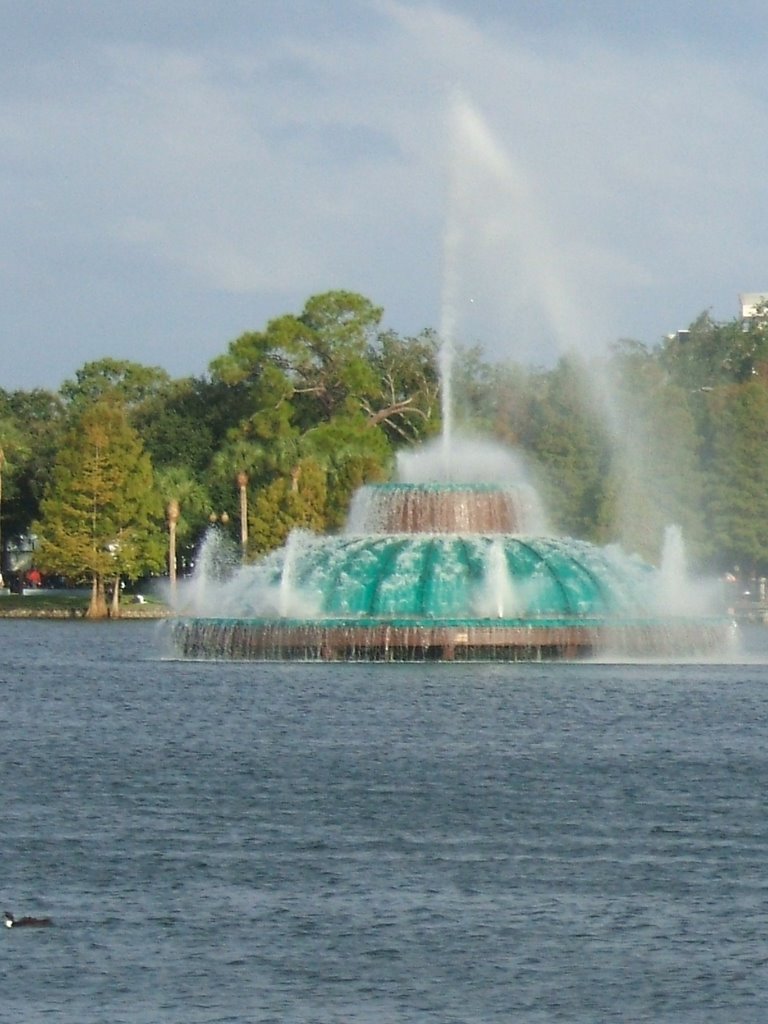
[114,609]
[97,609]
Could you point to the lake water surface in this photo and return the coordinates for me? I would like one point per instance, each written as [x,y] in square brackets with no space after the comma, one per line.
[384,843]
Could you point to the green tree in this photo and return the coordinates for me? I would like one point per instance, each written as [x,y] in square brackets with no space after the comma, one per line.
[405,401]
[736,496]
[31,427]
[711,354]
[492,399]
[571,448]
[317,360]
[119,380]
[322,395]
[100,517]
[330,360]
[329,364]
[351,453]
[184,422]
[297,502]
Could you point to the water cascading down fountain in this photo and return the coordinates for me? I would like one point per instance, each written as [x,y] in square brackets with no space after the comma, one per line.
[440,569]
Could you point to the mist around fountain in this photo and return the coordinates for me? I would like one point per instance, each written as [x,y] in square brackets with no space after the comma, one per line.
[222,587]
[680,593]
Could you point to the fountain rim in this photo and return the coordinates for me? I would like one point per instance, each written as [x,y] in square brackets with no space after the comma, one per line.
[403,622]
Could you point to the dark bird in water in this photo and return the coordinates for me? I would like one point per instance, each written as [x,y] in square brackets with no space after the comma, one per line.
[26,922]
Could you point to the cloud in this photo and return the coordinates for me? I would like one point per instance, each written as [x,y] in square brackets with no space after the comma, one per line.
[610,186]
[627,171]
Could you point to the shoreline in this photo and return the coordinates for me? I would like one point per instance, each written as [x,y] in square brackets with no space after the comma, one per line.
[133,612]
[755,614]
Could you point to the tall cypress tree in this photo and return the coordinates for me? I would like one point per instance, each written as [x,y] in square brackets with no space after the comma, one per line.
[100,516]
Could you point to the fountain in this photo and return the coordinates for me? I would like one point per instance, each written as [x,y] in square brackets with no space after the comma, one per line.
[430,568]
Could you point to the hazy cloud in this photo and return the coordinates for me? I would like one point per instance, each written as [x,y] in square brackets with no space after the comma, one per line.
[171,178]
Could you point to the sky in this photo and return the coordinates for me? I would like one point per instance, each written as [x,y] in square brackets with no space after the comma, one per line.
[531,177]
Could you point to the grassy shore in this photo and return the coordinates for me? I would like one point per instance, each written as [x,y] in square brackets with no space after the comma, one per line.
[64,604]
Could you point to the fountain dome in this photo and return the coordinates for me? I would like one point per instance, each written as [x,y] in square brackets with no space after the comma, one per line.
[433,576]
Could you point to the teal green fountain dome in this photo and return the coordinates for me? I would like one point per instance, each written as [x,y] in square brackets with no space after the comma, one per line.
[430,576]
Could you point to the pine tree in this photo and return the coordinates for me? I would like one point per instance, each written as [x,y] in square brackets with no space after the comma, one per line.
[100,516]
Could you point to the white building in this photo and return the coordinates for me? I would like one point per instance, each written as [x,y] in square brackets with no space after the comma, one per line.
[753,304]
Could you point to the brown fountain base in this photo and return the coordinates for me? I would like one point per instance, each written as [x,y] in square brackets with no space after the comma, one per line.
[489,640]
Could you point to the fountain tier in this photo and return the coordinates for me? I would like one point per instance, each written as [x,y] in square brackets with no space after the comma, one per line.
[442,508]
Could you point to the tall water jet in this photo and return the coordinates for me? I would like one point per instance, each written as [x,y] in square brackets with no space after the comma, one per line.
[498,591]
[286,588]
[449,297]
[445,357]
[675,588]
[213,566]
[503,267]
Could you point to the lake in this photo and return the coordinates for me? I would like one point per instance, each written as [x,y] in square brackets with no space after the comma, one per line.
[227,842]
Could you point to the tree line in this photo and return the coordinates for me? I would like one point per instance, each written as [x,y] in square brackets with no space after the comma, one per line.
[300,414]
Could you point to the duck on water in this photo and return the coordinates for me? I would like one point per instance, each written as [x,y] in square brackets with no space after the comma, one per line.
[26,922]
